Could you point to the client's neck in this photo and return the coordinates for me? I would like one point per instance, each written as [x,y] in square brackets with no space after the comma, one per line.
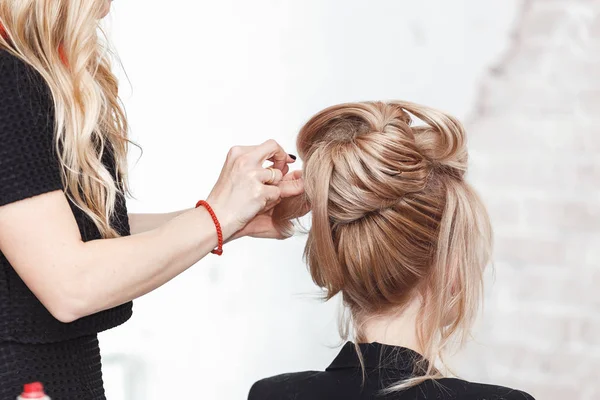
[395,329]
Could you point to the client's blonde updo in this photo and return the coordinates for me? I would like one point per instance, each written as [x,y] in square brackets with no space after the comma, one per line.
[393,218]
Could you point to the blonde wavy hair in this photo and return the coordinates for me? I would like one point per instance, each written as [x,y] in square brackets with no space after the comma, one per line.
[60,40]
[393,219]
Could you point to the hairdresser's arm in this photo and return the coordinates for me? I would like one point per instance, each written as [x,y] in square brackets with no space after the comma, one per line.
[73,279]
[260,226]
[140,223]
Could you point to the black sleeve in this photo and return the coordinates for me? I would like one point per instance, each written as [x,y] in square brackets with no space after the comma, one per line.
[260,391]
[519,395]
[28,162]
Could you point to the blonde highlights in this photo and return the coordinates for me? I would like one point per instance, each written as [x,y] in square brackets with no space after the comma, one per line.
[59,39]
[394,220]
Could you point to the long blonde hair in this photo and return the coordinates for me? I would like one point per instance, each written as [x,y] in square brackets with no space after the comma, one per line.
[394,219]
[59,39]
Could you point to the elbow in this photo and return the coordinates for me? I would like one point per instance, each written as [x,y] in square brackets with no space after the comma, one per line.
[67,309]
[65,316]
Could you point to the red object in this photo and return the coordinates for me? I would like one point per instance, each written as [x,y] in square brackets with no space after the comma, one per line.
[3,32]
[63,56]
[219,250]
[33,390]
[61,49]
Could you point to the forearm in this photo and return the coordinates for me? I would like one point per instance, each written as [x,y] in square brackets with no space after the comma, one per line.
[107,273]
[140,223]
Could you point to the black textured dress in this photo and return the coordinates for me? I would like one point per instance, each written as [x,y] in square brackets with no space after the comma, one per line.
[34,346]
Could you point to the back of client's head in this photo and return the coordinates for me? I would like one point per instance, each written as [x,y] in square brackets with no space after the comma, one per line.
[394,223]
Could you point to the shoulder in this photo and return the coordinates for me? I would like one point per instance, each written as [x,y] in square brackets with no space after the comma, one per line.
[20,82]
[476,391]
[291,386]
[28,163]
[12,68]
[313,385]
[11,65]
[25,105]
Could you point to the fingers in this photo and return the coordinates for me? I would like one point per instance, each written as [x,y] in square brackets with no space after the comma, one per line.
[245,188]
[269,207]
[270,176]
[291,184]
[271,150]
[272,194]
[293,175]
[284,170]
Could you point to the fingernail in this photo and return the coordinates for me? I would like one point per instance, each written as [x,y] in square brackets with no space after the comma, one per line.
[292,156]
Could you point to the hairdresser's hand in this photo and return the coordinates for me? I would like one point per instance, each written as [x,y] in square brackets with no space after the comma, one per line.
[245,188]
[263,225]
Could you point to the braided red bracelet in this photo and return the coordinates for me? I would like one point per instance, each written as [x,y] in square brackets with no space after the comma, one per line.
[219,250]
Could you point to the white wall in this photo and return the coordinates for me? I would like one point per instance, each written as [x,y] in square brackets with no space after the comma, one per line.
[207,75]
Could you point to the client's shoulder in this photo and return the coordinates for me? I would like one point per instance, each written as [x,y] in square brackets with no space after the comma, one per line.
[313,385]
[460,389]
[295,385]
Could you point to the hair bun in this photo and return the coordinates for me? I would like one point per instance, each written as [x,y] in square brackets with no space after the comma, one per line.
[370,154]
[442,140]
[375,156]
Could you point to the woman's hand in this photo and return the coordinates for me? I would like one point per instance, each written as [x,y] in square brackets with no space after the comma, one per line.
[264,225]
[246,189]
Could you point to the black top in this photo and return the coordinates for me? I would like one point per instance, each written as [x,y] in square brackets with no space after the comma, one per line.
[385,365]
[29,167]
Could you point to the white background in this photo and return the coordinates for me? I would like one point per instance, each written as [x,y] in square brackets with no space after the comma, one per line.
[207,75]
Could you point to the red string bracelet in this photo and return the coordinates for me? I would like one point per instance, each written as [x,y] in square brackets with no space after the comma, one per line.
[219,250]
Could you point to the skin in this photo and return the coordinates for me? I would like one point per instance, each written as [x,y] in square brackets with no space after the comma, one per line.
[395,329]
[399,328]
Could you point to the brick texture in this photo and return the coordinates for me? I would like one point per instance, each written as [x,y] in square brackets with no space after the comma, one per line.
[535,140]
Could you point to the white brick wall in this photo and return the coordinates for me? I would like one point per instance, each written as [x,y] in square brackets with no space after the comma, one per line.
[536,146]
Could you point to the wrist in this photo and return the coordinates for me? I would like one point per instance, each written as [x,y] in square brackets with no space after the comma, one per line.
[229,225]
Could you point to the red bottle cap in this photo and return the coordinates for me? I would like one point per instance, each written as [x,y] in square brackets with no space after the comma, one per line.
[33,390]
